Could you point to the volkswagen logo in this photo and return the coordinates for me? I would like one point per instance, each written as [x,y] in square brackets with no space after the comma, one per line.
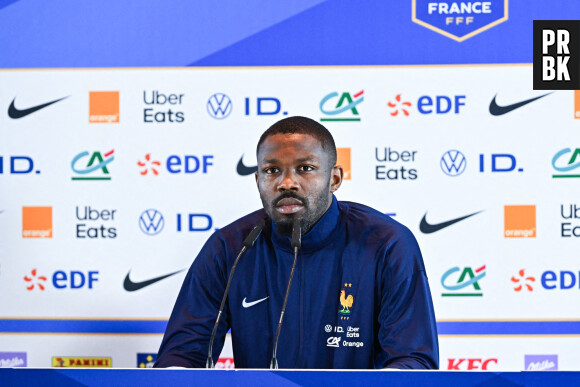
[219,106]
[151,222]
[453,163]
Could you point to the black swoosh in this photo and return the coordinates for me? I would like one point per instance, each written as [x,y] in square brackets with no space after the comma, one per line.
[497,110]
[243,170]
[131,286]
[427,228]
[15,113]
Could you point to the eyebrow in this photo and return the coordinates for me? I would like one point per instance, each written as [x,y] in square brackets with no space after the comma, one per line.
[300,160]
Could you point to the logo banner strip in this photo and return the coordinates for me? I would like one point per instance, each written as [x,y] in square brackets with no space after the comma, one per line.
[63,326]
[508,328]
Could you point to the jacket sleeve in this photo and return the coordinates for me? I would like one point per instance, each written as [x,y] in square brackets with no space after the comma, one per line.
[407,330]
[186,339]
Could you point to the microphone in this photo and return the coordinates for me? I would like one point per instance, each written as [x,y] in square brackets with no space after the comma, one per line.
[296,244]
[246,244]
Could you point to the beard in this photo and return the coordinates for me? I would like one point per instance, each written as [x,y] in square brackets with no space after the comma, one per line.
[307,218]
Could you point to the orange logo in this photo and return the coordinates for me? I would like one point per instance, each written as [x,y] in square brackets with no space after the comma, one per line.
[103,106]
[37,222]
[520,221]
[343,158]
[577,104]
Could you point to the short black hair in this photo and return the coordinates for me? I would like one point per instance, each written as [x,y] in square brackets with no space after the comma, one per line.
[303,125]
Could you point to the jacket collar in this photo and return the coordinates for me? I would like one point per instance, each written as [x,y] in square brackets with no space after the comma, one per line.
[318,236]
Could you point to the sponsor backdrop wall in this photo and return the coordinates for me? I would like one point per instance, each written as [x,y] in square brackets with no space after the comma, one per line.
[113,173]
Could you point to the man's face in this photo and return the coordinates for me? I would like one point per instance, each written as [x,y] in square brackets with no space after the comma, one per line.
[295,180]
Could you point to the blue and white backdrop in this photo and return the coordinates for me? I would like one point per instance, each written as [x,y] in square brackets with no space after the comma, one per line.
[128,132]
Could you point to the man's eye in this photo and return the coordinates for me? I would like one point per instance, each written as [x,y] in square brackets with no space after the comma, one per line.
[306,168]
[269,171]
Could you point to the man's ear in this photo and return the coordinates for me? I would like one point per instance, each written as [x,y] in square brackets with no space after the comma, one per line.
[336,177]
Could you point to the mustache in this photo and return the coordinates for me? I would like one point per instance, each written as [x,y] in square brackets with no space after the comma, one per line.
[289,194]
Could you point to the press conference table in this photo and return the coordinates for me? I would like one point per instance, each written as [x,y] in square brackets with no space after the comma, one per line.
[280,378]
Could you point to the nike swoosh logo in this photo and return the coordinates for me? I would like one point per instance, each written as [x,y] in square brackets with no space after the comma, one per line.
[243,170]
[497,110]
[15,113]
[427,228]
[248,304]
[131,286]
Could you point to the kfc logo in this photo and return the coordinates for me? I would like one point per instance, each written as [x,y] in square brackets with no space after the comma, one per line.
[469,364]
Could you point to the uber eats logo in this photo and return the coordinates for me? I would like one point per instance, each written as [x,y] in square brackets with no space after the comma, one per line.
[570,227]
[162,108]
[395,164]
[94,223]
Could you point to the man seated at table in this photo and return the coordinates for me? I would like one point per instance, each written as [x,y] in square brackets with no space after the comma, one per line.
[359,297]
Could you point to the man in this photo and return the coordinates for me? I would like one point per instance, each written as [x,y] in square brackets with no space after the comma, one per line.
[359,297]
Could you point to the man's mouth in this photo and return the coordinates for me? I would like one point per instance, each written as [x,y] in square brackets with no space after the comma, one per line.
[289,206]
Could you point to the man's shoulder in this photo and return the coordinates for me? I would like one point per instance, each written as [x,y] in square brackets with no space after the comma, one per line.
[364,218]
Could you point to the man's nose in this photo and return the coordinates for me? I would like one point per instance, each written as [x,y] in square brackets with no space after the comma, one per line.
[288,181]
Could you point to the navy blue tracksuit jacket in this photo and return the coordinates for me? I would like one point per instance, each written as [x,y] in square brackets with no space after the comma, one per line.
[359,298]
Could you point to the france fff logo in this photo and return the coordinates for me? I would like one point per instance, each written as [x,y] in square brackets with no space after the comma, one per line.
[459,20]
[556,55]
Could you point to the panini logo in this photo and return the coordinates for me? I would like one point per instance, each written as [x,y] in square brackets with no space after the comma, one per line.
[37,222]
[103,106]
[343,159]
[82,362]
[459,20]
[520,221]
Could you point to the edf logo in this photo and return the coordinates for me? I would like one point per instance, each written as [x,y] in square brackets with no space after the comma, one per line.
[264,106]
[188,164]
[62,280]
[440,104]
[74,279]
[176,164]
[556,54]
[428,104]
[499,162]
